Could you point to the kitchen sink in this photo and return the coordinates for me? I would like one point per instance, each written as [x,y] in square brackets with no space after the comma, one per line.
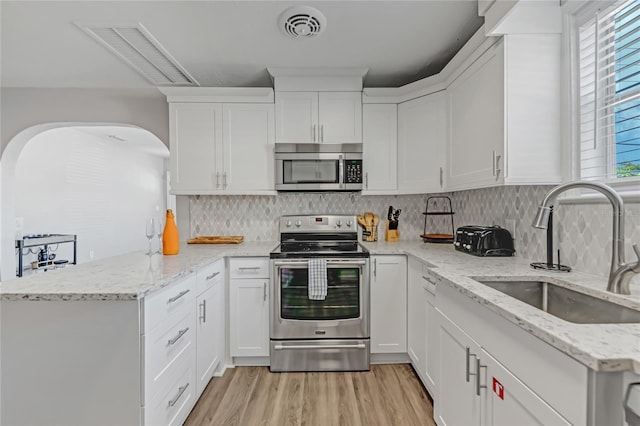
[564,303]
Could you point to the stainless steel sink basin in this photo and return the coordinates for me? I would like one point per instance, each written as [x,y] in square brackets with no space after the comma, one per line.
[565,303]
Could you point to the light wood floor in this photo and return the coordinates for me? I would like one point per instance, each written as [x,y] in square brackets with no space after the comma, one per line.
[247,396]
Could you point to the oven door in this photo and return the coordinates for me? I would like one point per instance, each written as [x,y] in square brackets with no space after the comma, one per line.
[343,314]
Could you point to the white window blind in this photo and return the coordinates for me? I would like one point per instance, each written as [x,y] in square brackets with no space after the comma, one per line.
[609,79]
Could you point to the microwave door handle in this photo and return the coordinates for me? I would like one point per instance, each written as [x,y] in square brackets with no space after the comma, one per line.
[341,170]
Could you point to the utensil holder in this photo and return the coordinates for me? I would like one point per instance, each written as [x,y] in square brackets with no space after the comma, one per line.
[370,233]
[391,235]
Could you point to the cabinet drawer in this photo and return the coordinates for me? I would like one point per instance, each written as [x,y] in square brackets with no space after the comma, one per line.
[210,275]
[161,304]
[173,404]
[166,348]
[249,267]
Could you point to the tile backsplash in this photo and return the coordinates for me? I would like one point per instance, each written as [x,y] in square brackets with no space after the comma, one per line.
[583,231]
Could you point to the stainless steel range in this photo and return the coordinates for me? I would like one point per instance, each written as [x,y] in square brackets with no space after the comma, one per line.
[329,332]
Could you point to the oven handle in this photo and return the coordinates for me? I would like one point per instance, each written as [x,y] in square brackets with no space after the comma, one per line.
[285,347]
[329,262]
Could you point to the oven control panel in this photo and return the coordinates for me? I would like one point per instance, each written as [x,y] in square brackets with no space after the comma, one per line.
[322,223]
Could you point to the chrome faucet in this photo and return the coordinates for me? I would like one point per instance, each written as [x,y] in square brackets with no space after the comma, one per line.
[620,272]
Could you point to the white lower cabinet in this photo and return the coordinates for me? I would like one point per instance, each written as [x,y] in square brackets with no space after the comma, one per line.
[457,402]
[249,307]
[210,322]
[478,387]
[508,401]
[388,304]
[422,325]
[169,343]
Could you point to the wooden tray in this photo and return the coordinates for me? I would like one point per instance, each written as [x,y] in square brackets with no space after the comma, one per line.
[437,238]
[216,239]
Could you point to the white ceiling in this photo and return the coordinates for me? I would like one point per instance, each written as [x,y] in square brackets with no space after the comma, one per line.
[231,43]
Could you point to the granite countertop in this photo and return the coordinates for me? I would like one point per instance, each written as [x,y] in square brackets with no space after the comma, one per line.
[601,347]
[125,277]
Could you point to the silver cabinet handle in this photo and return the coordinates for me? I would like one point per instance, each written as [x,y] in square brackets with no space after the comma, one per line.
[375,268]
[366,180]
[427,280]
[203,305]
[224,180]
[469,373]
[212,276]
[322,133]
[441,179]
[478,385]
[217,180]
[496,164]
[341,177]
[264,291]
[248,268]
[285,347]
[177,296]
[313,133]
[175,399]
[181,333]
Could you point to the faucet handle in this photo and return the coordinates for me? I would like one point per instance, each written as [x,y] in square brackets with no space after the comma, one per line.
[636,268]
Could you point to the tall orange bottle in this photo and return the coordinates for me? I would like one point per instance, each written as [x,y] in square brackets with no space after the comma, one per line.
[170,237]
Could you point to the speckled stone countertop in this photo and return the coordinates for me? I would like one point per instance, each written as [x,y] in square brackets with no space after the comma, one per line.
[126,277]
[601,347]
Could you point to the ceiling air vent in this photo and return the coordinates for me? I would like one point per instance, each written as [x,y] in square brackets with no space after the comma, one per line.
[135,45]
[302,22]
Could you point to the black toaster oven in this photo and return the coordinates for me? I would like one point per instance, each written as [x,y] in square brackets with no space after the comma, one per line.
[484,241]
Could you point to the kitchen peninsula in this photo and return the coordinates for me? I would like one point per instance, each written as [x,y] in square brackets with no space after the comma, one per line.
[76,342]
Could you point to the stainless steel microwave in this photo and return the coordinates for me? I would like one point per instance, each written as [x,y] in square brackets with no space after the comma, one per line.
[318,167]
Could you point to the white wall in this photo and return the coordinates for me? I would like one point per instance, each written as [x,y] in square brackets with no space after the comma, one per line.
[72,182]
[22,108]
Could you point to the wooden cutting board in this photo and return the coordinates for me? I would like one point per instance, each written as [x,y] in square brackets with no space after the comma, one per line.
[216,239]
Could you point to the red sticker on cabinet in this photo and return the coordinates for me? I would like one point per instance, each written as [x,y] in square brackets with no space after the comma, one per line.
[498,389]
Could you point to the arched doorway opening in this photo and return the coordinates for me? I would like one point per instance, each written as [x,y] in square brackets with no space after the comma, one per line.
[100,181]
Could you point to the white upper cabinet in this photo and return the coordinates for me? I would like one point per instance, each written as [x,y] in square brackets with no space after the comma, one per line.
[380,148]
[195,147]
[477,133]
[221,140]
[318,117]
[222,148]
[248,145]
[422,141]
[505,115]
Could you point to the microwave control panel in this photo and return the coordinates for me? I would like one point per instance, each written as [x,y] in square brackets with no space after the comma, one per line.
[353,171]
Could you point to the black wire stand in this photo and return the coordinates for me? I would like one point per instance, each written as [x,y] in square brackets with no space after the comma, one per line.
[435,237]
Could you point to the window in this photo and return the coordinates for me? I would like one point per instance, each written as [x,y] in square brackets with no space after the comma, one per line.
[609,91]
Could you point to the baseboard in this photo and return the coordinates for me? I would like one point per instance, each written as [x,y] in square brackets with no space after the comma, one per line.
[251,361]
[400,358]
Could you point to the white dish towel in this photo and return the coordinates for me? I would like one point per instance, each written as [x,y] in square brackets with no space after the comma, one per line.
[317,279]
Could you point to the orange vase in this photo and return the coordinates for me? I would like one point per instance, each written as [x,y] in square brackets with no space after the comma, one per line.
[170,237]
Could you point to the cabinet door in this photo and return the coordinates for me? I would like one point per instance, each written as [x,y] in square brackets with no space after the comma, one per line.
[249,317]
[457,402]
[477,124]
[416,321]
[380,147]
[422,142]
[210,334]
[510,402]
[431,342]
[389,304]
[297,117]
[340,117]
[249,138]
[195,146]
